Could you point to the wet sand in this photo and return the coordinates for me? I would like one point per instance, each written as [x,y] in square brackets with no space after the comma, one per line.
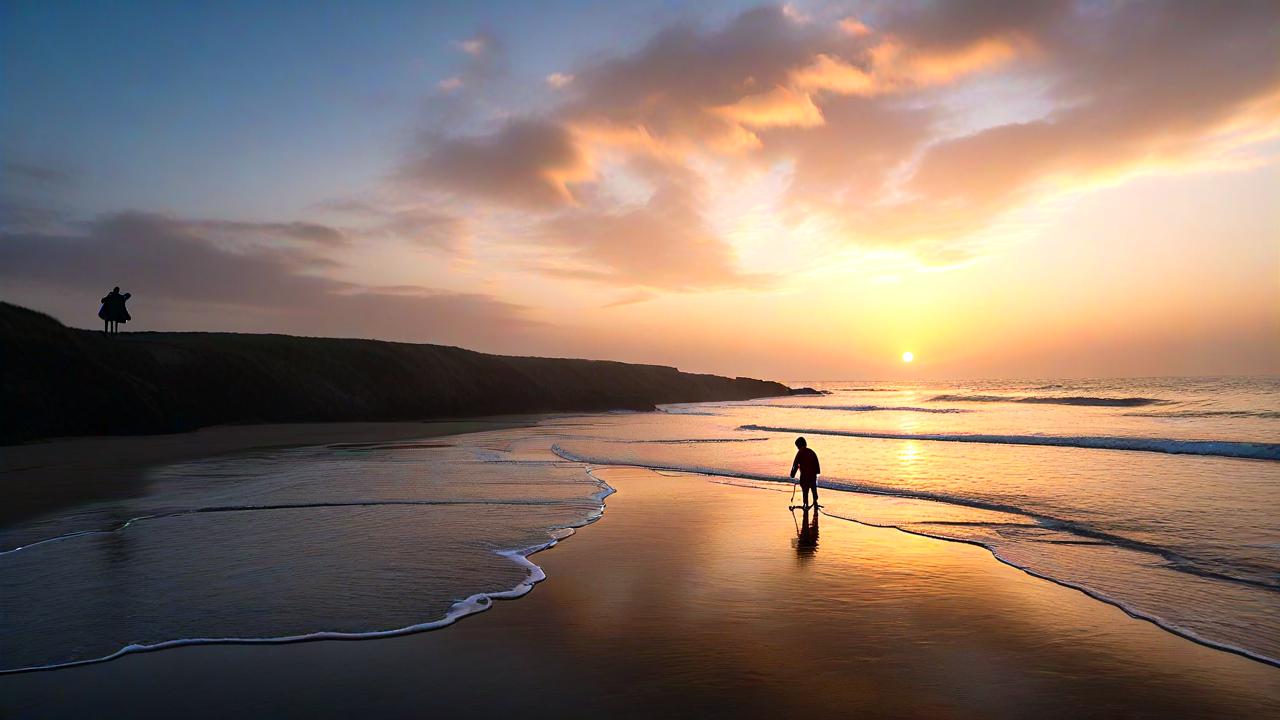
[42,476]
[692,598]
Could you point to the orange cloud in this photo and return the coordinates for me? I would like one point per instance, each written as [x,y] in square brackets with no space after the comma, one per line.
[778,107]
[901,66]
[894,68]
[527,163]
[662,243]
[863,118]
[831,73]
[854,27]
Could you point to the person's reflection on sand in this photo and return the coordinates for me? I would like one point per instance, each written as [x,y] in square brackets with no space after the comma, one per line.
[807,535]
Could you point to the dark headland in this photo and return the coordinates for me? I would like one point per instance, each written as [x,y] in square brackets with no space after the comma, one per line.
[60,381]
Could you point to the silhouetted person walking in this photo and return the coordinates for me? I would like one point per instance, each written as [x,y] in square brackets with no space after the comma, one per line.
[113,312]
[807,463]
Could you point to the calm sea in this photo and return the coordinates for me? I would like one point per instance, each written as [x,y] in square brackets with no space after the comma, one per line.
[1160,496]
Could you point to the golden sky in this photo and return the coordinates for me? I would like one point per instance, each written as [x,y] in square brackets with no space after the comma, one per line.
[800,191]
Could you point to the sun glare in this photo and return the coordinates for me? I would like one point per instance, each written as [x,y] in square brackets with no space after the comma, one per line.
[908,356]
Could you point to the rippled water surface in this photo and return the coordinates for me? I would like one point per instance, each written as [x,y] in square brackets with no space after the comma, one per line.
[334,541]
[1159,496]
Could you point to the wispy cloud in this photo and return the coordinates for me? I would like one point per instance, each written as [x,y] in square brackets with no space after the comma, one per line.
[170,262]
[38,174]
[476,46]
[631,298]
[528,163]
[421,226]
[559,80]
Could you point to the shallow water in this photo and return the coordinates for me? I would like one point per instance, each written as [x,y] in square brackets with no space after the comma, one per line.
[1167,511]
[316,542]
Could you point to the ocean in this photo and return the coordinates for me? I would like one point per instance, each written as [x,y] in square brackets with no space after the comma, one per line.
[1158,496]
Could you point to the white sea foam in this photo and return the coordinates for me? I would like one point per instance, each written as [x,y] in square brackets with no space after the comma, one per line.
[471,605]
[1129,609]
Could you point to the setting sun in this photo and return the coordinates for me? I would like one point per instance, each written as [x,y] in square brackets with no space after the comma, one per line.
[908,356]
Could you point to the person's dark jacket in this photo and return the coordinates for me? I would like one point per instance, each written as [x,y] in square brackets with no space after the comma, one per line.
[807,463]
[113,307]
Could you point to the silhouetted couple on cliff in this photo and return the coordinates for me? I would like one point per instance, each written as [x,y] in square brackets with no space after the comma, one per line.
[113,311]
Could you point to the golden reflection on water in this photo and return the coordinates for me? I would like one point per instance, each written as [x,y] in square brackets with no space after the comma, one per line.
[734,585]
[909,453]
[911,462]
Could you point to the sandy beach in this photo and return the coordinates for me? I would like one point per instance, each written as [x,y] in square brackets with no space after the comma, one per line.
[43,476]
[696,598]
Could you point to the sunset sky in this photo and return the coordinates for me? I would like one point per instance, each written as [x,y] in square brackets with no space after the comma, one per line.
[1020,189]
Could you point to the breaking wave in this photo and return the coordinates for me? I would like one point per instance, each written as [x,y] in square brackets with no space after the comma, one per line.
[1217,448]
[1084,400]
[1270,414]
[866,408]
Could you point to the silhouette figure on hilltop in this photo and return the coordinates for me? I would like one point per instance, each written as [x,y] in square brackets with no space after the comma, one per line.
[113,312]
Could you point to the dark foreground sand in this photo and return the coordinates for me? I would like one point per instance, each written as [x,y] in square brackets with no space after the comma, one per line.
[692,599]
[42,476]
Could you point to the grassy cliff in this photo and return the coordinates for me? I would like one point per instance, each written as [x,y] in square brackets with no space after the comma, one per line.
[57,381]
